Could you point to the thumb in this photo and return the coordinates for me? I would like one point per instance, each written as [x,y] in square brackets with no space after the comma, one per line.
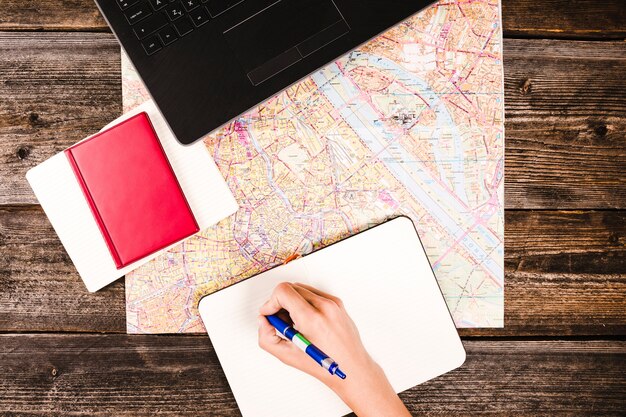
[286,351]
[272,343]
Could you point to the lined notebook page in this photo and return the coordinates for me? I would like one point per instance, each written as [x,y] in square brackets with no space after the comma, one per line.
[383,277]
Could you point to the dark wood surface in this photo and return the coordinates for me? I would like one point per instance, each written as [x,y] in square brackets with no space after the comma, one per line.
[180,375]
[564,277]
[566,19]
[63,351]
[565,105]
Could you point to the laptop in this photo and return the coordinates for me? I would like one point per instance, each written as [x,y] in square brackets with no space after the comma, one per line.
[205,62]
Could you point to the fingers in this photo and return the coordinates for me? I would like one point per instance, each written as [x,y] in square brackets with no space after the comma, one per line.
[270,341]
[319,302]
[321,293]
[282,349]
[286,351]
[285,296]
[302,302]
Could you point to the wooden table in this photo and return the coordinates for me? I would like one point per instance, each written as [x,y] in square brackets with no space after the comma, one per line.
[563,350]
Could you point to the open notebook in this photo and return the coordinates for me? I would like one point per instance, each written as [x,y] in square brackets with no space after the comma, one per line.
[63,201]
[384,277]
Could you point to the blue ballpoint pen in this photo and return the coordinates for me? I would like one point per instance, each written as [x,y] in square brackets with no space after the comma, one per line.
[307,347]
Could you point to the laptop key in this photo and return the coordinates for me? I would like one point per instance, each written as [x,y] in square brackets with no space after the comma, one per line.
[199,17]
[151,45]
[183,26]
[174,11]
[138,13]
[150,25]
[217,7]
[168,35]
[158,4]
[125,4]
[190,4]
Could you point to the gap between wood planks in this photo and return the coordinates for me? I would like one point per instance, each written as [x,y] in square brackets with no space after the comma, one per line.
[564,277]
[565,106]
[73,374]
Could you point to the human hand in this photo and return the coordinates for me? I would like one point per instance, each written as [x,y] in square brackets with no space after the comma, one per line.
[323,320]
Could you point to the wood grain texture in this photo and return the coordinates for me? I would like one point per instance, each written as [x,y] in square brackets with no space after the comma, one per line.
[600,19]
[141,375]
[51,15]
[55,89]
[565,113]
[565,124]
[565,270]
[605,19]
[39,286]
[529,378]
[112,375]
[565,275]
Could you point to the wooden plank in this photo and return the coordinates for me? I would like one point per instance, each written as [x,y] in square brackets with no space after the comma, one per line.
[565,109]
[67,15]
[130,375]
[604,19]
[529,378]
[564,276]
[113,375]
[599,19]
[41,290]
[55,89]
[565,124]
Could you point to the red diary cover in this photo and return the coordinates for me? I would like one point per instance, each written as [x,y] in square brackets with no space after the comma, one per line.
[132,190]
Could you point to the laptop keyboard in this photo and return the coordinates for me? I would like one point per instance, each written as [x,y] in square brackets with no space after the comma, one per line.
[159,23]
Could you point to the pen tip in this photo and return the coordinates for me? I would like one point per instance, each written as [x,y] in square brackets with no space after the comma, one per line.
[340,374]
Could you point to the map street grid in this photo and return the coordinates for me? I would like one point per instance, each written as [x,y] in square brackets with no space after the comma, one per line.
[411,123]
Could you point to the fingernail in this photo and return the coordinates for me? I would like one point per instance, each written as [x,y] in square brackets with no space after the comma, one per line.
[260,320]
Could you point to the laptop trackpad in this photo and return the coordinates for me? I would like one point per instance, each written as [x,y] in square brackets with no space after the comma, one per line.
[283,34]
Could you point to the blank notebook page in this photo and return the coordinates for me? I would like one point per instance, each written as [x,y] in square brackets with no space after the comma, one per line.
[387,285]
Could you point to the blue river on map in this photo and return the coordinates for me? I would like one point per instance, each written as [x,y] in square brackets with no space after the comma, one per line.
[445,123]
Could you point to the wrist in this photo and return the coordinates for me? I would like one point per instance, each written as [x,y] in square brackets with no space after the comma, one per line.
[367,392]
[367,374]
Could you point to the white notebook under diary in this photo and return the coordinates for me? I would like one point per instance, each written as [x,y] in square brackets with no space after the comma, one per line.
[62,199]
[388,287]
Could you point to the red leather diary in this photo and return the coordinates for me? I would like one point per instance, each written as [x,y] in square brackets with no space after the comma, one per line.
[132,190]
